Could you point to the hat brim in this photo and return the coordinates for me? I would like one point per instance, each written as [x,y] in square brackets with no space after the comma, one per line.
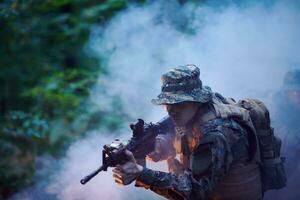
[196,95]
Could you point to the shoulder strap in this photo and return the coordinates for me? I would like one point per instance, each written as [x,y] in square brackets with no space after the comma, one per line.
[241,116]
[259,114]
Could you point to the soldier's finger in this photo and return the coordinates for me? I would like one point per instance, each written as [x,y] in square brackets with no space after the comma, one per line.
[116,171]
[119,168]
[120,179]
[153,156]
[117,176]
[119,182]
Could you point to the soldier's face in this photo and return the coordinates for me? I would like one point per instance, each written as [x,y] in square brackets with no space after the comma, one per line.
[182,113]
[293,97]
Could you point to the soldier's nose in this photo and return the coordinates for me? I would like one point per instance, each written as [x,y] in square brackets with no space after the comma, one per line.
[170,108]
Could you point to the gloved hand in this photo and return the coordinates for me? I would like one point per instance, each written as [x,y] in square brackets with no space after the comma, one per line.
[128,172]
[163,149]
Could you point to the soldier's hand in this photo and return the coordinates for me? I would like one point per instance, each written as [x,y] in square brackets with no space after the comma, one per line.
[163,149]
[128,172]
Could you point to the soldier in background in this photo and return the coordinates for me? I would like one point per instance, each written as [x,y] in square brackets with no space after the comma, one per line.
[287,118]
[287,123]
[288,101]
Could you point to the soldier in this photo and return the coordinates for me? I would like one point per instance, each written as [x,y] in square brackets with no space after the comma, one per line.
[286,118]
[216,159]
[288,100]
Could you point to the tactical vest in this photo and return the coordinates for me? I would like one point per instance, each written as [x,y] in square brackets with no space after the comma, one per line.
[243,179]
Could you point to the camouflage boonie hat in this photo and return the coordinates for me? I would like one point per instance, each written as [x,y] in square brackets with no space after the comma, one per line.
[182,84]
[292,80]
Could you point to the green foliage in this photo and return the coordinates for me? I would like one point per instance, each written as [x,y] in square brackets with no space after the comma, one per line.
[25,127]
[45,77]
[18,150]
[63,92]
[23,124]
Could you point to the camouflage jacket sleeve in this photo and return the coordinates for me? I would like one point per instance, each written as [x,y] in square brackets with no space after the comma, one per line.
[187,185]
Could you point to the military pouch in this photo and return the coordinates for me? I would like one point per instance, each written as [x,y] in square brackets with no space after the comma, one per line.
[272,170]
[272,174]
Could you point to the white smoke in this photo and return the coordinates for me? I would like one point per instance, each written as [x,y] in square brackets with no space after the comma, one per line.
[82,158]
[242,51]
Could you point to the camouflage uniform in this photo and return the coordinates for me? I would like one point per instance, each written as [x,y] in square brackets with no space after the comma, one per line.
[215,161]
[286,120]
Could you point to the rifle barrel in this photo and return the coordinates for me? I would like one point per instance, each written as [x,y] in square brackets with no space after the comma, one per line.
[91,175]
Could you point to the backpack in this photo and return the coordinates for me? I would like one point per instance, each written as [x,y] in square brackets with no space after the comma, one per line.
[272,163]
[261,137]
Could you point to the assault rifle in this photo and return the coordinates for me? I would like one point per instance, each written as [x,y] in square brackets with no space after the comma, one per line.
[140,144]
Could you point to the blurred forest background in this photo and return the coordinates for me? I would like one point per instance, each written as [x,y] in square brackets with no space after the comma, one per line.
[45,79]
[48,73]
